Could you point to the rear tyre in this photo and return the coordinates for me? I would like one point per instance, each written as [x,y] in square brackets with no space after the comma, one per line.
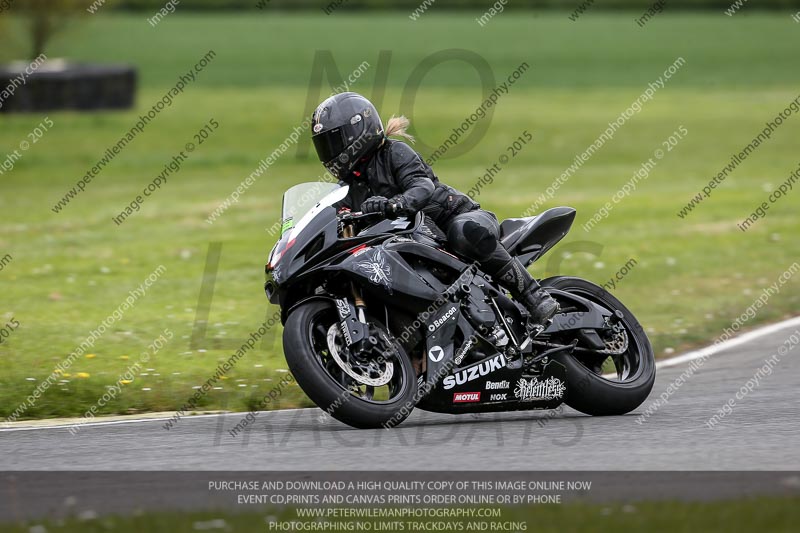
[314,352]
[590,389]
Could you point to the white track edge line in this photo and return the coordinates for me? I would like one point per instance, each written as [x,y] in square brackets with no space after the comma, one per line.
[683,358]
[730,343]
[142,420]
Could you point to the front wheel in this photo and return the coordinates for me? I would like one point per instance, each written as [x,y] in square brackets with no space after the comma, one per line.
[617,379]
[370,389]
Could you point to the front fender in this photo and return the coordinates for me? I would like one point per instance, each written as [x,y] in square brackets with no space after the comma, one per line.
[317,297]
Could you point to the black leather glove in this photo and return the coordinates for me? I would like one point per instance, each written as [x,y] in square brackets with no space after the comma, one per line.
[395,207]
[375,204]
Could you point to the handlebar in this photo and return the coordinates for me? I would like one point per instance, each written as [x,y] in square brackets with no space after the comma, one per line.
[358,215]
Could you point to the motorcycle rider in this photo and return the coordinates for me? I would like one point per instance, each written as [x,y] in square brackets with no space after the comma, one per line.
[387,176]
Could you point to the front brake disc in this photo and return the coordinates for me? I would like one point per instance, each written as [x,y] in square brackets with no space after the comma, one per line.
[335,346]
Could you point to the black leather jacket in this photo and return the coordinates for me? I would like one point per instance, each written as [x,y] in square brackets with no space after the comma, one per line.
[397,170]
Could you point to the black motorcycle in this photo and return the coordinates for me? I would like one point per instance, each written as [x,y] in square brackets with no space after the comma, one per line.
[380,319]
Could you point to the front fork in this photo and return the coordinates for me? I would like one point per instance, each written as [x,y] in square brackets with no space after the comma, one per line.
[348,231]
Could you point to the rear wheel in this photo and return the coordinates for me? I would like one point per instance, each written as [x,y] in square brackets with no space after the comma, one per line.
[370,389]
[617,379]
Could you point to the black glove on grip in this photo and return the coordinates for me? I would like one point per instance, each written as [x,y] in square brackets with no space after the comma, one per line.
[375,204]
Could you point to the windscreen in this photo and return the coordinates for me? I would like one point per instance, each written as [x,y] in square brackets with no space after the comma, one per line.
[300,199]
[301,204]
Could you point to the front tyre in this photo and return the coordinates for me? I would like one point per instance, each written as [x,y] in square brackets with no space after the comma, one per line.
[615,381]
[365,390]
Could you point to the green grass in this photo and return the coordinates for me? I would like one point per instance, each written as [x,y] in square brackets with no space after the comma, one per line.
[600,50]
[694,276]
[775,515]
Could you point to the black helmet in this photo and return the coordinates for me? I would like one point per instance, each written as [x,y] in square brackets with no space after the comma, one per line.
[346,129]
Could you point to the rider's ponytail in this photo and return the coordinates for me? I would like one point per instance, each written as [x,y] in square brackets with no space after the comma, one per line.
[397,126]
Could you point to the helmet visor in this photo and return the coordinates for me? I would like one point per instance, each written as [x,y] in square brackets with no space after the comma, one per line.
[329,144]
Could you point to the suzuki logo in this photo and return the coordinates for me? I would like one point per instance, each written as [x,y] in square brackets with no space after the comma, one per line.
[475,371]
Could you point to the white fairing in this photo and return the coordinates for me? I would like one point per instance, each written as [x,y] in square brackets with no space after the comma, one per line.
[334,196]
[304,201]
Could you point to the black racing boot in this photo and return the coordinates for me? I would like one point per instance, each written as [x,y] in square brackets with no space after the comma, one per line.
[541,306]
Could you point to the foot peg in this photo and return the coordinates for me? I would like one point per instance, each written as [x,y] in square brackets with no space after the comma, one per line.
[514,360]
[534,330]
